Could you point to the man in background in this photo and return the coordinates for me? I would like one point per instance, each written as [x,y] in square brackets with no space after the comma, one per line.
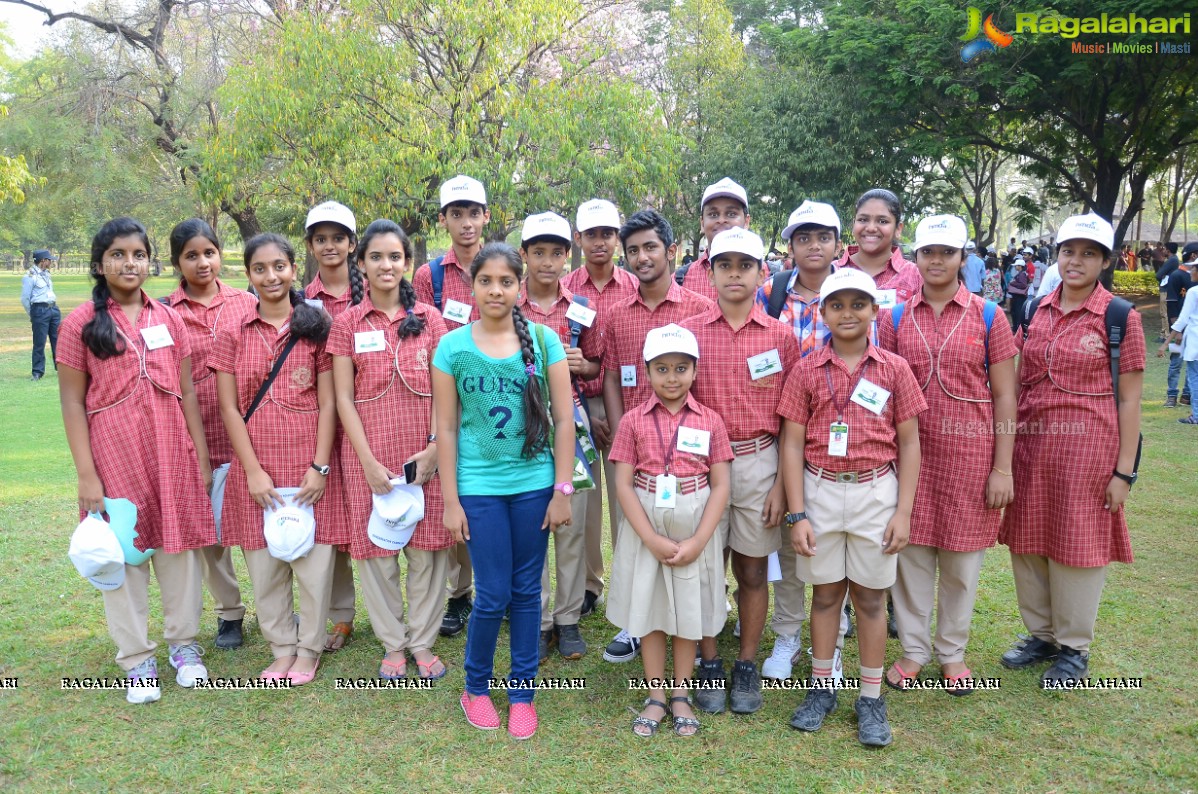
[37,296]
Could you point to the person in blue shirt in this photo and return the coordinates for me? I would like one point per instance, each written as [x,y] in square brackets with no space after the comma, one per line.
[37,296]
[974,271]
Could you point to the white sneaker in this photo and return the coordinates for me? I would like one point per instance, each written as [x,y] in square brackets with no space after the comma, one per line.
[186,659]
[837,664]
[142,683]
[736,628]
[781,662]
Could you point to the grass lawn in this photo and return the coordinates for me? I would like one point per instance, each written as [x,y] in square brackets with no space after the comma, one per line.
[318,738]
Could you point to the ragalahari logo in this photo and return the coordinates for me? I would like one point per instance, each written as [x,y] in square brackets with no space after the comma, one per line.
[982,36]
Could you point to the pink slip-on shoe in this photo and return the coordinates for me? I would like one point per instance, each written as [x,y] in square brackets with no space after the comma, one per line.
[300,678]
[480,711]
[522,720]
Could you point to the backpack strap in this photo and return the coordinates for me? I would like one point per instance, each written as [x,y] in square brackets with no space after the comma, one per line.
[436,269]
[274,373]
[1117,312]
[1029,311]
[988,311]
[778,289]
[896,314]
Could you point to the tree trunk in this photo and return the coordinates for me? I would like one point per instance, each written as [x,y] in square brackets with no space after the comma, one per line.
[246,218]
[420,250]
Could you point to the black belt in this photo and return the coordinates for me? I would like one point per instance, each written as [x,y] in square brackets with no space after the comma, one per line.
[43,303]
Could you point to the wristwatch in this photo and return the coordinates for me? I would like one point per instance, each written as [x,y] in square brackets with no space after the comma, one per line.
[1130,479]
[321,470]
[794,518]
[565,488]
[432,437]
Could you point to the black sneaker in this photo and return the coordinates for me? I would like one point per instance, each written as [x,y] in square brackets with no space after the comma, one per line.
[588,603]
[891,625]
[548,640]
[569,642]
[1184,400]
[873,729]
[456,612]
[1067,671]
[228,633]
[1032,650]
[746,688]
[851,631]
[1170,402]
[819,703]
[710,694]
[623,648]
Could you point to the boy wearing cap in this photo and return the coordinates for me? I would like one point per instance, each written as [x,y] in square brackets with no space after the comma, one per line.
[596,232]
[1177,285]
[746,354]
[445,283]
[851,413]
[544,246]
[41,305]
[725,205]
[648,242]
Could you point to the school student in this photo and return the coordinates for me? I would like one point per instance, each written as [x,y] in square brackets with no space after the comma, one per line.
[134,428]
[851,413]
[672,474]
[207,305]
[877,226]
[544,246]
[962,354]
[1067,522]
[445,283]
[648,242]
[725,205]
[382,353]
[286,441]
[596,232]
[746,355]
[496,382]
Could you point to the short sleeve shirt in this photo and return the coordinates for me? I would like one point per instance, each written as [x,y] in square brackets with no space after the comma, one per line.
[644,438]
[455,286]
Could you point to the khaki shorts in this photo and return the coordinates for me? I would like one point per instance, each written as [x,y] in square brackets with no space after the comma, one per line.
[753,476]
[850,521]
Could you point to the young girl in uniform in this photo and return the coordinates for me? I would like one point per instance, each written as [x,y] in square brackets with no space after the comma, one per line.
[331,237]
[673,464]
[877,225]
[504,483]
[286,442]
[967,373]
[135,433]
[207,305]
[1066,523]
[382,350]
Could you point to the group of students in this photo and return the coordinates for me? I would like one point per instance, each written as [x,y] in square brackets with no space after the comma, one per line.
[778,415]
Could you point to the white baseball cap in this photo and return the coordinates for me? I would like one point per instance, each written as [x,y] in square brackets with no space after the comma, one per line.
[332,212]
[597,213]
[395,515]
[546,224]
[462,188]
[812,213]
[971,246]
[738,240]
[1088,227]
[848,278]
[670,339]
[941,230]
[290,530]
[725,187]
[97,554]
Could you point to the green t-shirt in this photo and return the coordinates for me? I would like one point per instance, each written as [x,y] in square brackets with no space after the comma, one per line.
[491,433]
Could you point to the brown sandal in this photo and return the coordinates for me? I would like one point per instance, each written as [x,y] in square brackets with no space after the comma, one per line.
[342,630]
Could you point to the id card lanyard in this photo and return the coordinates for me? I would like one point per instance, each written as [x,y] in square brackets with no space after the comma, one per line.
[667,484]
[838,431]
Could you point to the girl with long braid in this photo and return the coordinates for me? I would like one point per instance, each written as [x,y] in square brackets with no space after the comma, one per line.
[382,351]
[504,481]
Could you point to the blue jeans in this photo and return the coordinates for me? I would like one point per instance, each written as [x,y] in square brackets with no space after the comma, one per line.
[1175,365]
[45,318]
[1192,383]
[507,550]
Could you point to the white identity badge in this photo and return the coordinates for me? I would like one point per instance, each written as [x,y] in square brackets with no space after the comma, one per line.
[369,341]
[581,314]
[157,336]
[764,364]
[887,298]
[667,491]
[628,376]
[315,303]
[457,311]
[838,439]
[693,440]
[870,396]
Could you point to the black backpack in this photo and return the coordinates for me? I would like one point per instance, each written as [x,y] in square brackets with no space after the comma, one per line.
[778,293]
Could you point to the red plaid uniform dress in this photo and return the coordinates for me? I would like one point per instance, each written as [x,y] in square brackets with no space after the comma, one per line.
[137,430]
[947,355]
[723,383]
[227,310]
[698,280]
[638,444]
[333,304]
[393,397]
[1068,441]
[626,327]
[455,285]
[282,429]
[621,286]
[900,275]
[873,439]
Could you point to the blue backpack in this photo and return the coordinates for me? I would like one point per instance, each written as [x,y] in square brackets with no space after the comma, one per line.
[436,269]
[988,312]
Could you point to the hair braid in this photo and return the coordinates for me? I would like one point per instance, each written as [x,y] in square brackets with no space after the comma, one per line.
[536,415]
[99,334]
[413,324]
[356,289]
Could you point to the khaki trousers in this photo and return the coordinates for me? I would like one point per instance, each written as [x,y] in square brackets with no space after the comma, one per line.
[384,598]
[605,473]
[342,595]
[275,604]
[1058,603]
[217,565]
[128,607]
[790,597]
[460,572]
[916,590]
[570,561]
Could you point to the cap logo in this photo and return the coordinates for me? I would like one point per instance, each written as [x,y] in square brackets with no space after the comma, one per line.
[1088,225]
[459,188]
[938,225]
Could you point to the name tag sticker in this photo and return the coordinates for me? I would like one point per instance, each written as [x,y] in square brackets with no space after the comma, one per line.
[157,336]
[693,440]
[628,376]
[870,396]
[764,364]
[887,298]
[369,341]
[838,439]
[315,303]
[581,314]
[667,491]
[457,311]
